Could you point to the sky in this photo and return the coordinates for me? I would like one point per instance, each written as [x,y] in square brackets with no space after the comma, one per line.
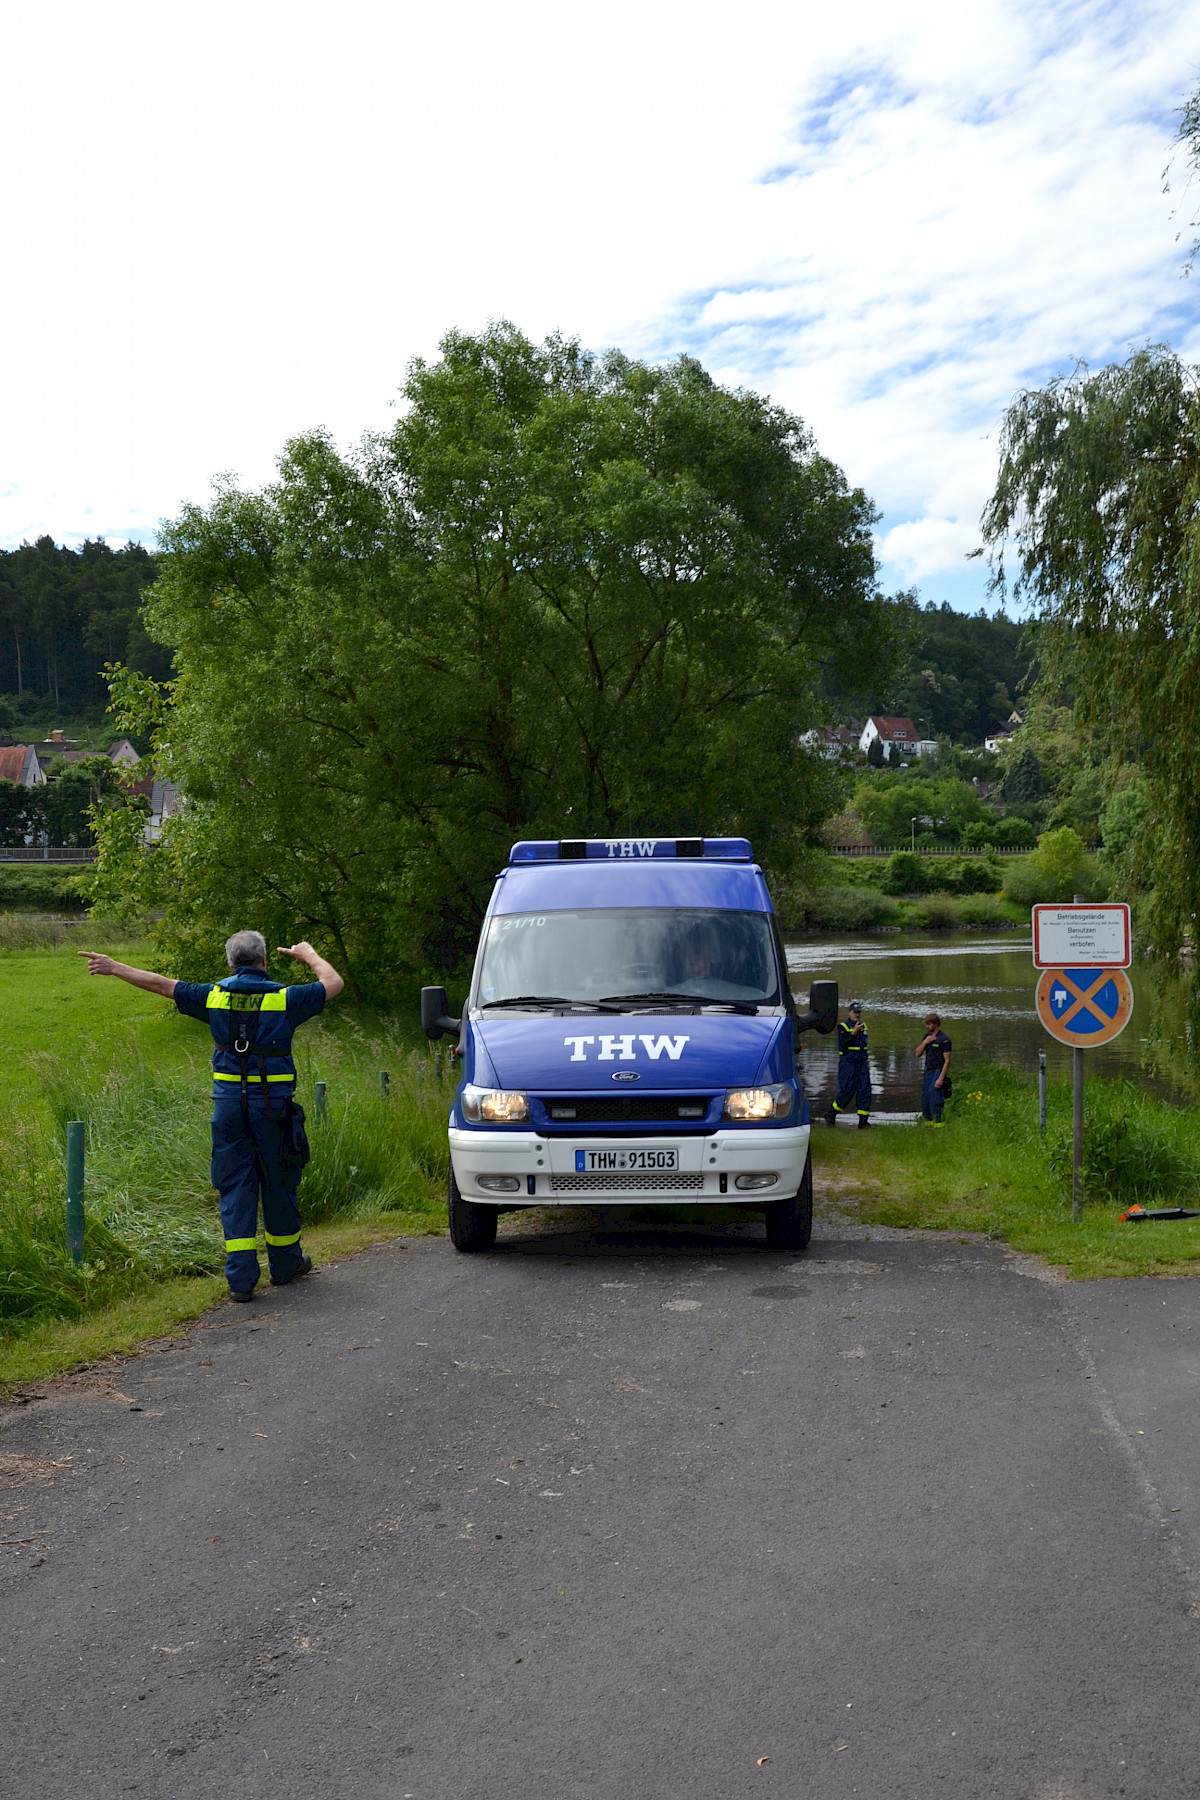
[229,223]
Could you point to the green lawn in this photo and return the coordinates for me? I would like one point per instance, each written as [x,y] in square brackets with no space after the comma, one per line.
[136,1072]
[989,1171]
[49,1002]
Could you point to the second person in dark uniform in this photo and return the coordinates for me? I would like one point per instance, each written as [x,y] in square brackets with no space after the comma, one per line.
[854,1068]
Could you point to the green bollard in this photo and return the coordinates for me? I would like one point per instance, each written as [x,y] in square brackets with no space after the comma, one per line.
[75,1191]
[320,1094]
[384,1080]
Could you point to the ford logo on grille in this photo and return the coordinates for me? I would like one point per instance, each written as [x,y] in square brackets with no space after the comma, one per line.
[626,1075]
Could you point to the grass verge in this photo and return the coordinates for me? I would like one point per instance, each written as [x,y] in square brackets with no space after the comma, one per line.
[136,1073]
[54,1346]
[989,1171]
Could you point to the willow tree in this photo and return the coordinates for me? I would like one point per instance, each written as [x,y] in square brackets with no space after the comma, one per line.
[565,595]
[1096,516]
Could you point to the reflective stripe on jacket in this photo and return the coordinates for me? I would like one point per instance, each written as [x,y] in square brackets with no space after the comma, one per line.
[261,1013]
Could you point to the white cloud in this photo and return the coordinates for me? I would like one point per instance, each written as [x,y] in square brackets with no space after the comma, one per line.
[923,547]
[228,224]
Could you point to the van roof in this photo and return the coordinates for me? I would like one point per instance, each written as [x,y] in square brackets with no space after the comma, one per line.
[631,849]
[580,884]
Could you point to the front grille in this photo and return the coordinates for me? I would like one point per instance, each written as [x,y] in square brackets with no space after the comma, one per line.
[673,1182]
[630,1108]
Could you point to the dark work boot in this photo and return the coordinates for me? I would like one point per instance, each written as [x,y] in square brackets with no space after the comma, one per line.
[242,1298]
[303,1268]
[863,1121]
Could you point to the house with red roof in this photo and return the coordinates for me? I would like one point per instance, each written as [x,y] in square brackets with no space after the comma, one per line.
[19,764]
[899,735]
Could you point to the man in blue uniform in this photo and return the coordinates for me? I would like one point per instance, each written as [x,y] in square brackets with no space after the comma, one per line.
[258,1143]
[935,1047]
[854,1068]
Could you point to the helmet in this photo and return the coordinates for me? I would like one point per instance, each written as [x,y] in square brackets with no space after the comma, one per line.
[855,1006]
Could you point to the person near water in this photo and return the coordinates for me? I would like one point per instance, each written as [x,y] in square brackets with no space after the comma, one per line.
[258,1143]
[854,1068]
[935,1047]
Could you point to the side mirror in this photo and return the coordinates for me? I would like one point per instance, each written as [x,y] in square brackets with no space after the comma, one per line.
[435,1014]
[822,1009]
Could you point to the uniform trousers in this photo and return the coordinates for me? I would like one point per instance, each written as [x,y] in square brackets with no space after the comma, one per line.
[933,1099]
[248,1170]
[854,1084]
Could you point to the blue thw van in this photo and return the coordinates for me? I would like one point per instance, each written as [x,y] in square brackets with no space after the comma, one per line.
[630,1038]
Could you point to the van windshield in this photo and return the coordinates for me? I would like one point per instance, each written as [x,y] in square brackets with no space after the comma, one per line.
[620,953]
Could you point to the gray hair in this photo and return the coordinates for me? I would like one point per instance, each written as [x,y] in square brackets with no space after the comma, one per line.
[245,950]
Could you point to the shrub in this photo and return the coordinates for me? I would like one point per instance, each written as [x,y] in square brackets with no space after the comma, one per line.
[1013,833]
[904,873]
[939,913]
[981,909]
[1058,869]
[44,888]
[978,875]
[848,909]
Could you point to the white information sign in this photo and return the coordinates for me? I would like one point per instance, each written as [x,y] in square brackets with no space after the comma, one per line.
[1095,937]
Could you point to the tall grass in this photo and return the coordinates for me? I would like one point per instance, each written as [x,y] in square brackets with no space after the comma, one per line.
[150,1211]
[991,1171]
[23,931]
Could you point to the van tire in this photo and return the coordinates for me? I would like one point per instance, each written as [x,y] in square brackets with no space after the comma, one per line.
[471,1227]
[789,1222]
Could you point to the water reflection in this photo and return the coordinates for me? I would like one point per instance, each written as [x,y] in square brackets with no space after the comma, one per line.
[982,986]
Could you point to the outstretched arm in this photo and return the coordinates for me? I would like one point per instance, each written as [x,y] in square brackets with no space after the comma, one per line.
[325,972]
[142,978]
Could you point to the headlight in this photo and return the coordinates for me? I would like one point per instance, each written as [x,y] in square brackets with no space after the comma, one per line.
[753,1105]
[494,1106]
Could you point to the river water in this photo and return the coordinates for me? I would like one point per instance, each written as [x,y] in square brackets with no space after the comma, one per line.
[983,986]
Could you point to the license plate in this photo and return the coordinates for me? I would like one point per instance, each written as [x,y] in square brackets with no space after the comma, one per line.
[600,1162]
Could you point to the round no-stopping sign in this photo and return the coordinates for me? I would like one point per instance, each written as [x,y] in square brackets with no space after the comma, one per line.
[1084,1007]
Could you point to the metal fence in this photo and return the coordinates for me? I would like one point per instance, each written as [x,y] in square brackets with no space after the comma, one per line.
[933,849]
[45,853]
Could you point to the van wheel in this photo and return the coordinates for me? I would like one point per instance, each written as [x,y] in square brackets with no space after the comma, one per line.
[471,1227]
[789,1222]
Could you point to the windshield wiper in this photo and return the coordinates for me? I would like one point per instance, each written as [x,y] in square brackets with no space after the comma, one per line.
[546,1000]
[740,1006]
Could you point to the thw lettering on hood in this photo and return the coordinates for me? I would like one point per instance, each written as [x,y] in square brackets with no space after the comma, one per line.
[621,1048]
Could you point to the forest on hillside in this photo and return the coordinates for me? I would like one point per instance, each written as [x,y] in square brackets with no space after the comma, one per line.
[965,674]
[64,614]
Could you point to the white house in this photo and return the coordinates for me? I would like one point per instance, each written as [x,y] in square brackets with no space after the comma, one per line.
[122,752]
[999,735]
[829,744]
[899,735]
[19,763]
[164,800]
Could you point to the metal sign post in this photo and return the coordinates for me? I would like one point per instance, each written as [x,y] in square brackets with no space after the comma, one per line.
[1076,1134]
[75,1191]
[1085,1002]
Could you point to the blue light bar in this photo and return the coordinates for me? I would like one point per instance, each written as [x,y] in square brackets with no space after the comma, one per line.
[631,849]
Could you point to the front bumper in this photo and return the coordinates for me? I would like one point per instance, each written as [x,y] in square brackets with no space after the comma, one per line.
[707,1170]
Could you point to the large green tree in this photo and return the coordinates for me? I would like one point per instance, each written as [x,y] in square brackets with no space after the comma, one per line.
[1097,506]
[566,595]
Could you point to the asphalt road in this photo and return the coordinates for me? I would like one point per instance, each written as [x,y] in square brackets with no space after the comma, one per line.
[644,1513]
